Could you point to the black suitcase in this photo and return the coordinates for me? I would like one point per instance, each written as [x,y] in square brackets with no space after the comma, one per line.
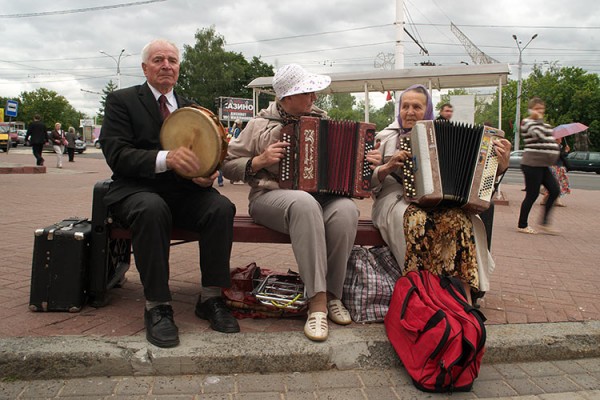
[60,265]
[109,258]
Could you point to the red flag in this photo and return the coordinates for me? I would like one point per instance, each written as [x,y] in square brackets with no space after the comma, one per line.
[389,96]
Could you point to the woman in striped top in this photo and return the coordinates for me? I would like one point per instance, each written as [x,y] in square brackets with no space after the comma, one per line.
[540,152]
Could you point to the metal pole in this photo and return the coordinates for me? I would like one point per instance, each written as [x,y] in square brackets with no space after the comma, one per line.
[399,48]
[118,62]
[500,103]
[366,102]
[517,127]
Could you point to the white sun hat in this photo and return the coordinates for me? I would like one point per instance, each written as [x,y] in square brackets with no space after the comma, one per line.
[293,79]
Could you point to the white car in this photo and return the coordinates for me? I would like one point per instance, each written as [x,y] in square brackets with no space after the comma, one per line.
[21,133]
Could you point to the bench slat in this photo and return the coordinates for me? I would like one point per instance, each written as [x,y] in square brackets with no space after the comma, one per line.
[246,231]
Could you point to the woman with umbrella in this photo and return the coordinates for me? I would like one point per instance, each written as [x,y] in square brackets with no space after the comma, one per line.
[559,170]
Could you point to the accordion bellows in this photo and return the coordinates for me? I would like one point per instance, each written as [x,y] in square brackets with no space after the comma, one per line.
[327,156]
[452,165]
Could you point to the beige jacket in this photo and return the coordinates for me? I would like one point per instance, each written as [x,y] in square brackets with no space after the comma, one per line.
[259,133]
[389,207]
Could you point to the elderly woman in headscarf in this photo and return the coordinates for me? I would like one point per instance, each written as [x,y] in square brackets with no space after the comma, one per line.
[444,240]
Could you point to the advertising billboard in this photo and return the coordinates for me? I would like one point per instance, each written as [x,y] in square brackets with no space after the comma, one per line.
[232,108]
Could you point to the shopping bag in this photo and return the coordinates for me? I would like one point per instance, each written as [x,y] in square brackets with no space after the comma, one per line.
[369,284]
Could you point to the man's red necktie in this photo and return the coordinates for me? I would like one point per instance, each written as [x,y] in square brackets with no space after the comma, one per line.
[164,110]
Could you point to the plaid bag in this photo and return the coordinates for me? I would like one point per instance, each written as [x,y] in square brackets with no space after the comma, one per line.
[369,284]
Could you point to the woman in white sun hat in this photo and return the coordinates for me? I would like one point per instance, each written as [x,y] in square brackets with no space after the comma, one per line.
[322,227]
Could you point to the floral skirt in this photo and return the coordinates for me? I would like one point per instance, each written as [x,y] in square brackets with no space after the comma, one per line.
[560,173]
[441,241]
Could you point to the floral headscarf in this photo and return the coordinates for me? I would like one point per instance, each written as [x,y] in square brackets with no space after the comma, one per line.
[429,115]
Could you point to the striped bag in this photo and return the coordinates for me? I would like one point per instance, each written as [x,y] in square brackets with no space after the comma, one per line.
[370,278]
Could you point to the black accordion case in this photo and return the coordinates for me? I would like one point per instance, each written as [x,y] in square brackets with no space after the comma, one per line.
[59,266]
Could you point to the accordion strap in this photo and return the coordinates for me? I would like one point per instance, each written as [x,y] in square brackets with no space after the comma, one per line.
[397,178]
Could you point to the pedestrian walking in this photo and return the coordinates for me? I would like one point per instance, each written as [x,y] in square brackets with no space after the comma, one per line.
[58,143]
[36,135]
[71,136]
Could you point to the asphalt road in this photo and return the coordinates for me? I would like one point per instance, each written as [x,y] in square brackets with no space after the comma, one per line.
[577,179]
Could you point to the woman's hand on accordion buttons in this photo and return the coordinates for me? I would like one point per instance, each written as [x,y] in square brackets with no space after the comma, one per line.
[272,155]
[394,163]
[502,148]
[374,157]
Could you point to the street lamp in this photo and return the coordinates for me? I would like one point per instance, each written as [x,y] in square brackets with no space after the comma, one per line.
[118,61]
[517,127]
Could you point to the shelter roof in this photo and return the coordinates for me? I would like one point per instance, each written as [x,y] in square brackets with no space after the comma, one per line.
[439,77]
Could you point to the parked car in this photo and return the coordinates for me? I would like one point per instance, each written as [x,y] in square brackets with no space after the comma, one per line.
[515,159]
[586,161]
[80,145]
[96,143]
[14,138]
[21,133]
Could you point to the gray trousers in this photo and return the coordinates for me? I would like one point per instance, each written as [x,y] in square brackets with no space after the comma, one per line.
[322,229]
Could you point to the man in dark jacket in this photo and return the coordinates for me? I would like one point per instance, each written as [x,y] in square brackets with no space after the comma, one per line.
[150,195]
[36,134]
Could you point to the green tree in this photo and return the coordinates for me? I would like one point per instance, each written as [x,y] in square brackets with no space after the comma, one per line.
[571,95]
[340,106]
[383,116]
[110,87]
[208,71]
[51,106]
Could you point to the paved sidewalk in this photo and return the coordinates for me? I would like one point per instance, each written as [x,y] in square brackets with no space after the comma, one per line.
[577,380]
[538,278]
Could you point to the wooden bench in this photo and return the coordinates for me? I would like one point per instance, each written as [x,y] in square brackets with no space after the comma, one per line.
[245,230]
[110,244]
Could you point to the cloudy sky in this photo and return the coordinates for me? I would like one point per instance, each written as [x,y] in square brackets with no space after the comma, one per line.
[56,45]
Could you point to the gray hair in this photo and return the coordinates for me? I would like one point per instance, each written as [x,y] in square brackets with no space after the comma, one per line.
[146,49]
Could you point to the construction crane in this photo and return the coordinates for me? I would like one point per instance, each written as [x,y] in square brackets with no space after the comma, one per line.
[477,56]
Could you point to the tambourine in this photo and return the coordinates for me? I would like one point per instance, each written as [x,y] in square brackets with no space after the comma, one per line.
[198,129]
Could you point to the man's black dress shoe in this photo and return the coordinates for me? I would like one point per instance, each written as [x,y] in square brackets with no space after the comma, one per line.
[161,330]
[216,312]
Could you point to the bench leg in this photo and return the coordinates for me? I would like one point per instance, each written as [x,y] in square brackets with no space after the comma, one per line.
[113,265]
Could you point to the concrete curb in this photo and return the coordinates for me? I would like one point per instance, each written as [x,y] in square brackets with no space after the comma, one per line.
[221,354]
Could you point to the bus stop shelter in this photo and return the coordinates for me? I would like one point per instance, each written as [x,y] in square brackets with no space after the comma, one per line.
[433,77]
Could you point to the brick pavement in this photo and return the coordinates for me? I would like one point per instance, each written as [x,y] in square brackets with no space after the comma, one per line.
[537,278]
[557,380]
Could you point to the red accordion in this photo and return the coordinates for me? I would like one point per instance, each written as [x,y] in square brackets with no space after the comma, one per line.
[327,156]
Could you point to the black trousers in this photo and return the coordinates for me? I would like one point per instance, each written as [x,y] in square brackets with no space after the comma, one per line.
[71,153]
[534,178]
[37,153]
[151,217]
[487,217]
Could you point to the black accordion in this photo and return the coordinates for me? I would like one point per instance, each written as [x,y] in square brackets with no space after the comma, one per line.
[327,156]
[452,165]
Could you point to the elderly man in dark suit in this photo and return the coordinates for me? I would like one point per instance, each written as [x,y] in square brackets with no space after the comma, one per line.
[149,195]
